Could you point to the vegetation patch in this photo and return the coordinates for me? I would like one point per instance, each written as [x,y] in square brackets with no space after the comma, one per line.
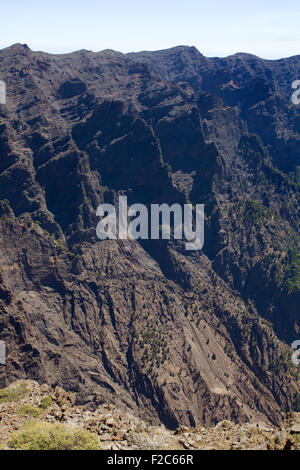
[14,393]
[46,402]
[39,435]
[256,213]
[29,410]
[155,347]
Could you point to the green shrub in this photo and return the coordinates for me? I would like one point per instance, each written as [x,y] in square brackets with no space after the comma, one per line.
[256,213]
[46,402]
[14,393]
[29,410]
[39,435]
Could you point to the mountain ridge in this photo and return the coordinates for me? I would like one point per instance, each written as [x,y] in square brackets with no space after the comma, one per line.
[172,48]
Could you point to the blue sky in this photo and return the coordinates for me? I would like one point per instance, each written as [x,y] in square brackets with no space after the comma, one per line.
[268,28]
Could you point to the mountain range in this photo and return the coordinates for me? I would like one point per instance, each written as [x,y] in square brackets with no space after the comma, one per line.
[178,337]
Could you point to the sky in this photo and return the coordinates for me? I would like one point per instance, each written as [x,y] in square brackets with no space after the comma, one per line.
[267,28]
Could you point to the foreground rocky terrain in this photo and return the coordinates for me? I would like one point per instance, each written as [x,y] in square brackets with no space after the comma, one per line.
[182,338]
[120,430]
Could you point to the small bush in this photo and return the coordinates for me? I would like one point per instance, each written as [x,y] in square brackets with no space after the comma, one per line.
[40,435]
[46,402]
[14,393]
[29,410]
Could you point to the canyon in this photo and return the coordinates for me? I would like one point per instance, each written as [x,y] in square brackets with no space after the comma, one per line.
[182,338]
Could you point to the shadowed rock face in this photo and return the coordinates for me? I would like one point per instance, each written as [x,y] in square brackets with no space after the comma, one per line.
[184,337]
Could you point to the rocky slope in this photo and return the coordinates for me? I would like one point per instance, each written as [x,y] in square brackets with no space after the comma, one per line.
[120,430]
[186,338]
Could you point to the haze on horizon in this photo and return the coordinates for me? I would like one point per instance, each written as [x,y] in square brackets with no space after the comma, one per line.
[268,29]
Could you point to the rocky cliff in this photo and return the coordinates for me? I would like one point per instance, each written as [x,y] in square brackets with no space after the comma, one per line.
[185,338]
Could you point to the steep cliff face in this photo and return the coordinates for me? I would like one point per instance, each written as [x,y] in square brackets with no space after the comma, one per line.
[184,337]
